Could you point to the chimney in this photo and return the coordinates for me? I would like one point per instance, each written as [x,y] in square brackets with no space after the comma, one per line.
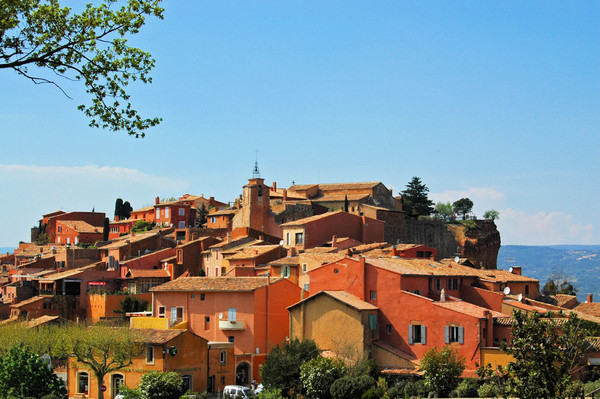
[516,270]
[211,199]
[157,200]
[284,194]
[274,186]
[291,251]
[333,241]
[395,252]
[228,238]
[590,298]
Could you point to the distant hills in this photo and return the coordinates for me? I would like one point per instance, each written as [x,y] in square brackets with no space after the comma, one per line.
[579,262]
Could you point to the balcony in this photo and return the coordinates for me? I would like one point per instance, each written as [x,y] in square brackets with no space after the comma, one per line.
[231,325]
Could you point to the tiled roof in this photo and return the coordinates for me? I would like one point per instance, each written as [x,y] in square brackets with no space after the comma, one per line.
[593,344]
[219,284]
[224,212]
[421,267]
[287,260]
[27,301]
[241,241]
[320,250]
[562,300]
[144,209]
[348,186]
[40,320]
[592,309]
[342,296]
[468,309]
[159,337]
[66,274]
[369,247]
[252,252]
[340,197]
[169,203]
[148,273]
[501,275]
[322,257]
[122,242]
[81,226]
[524,306]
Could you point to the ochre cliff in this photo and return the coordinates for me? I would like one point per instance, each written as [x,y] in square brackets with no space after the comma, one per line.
[480,243]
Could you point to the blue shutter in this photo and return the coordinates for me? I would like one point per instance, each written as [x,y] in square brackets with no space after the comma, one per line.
[461,335]
[423,335]
[447,334]
[410,337]
[232,314]
[372,322]
[173,315]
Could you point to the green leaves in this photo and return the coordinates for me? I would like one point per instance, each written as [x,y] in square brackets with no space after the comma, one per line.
[442,369]
[415,201]
[90,47]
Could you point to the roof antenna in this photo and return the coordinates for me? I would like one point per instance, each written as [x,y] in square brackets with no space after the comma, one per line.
[256,171]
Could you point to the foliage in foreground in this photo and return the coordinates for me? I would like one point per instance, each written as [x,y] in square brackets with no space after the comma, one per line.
[318,374]
[442,369]
[24,374]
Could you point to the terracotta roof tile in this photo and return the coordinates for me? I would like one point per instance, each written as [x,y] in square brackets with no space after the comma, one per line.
[288,260]
[152,336]
[340,197]
[253,252]
[592,309]
[350,300]
[27,301]
[563,300]
[322,257]
[468,309]
[148,273]
[67,273]
[218,284]
[80,226]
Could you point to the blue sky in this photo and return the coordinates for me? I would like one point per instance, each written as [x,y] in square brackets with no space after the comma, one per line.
[497,101]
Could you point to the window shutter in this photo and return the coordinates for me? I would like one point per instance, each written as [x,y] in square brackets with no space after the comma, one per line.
[173,315]
[232,314]
[448,284]
[461,335]
[447,334]
[410,337]
[423,335]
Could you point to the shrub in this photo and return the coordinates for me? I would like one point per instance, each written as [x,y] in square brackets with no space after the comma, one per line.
[591,386]
[351,387]
[442,369]
[272,393]
[318,374]
[467,388]
[488,390]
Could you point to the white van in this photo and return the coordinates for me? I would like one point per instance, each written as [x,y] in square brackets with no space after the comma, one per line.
[237,391]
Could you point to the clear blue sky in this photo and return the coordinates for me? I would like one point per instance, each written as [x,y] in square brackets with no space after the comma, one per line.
[497,101]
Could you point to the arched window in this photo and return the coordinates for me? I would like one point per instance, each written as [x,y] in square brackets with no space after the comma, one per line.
[187,382]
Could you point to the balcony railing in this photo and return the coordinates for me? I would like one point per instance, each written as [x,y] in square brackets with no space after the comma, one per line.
[231,325]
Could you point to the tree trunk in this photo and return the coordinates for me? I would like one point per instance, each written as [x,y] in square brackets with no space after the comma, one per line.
[100,380]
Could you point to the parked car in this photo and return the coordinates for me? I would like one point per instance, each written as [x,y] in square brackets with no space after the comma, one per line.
[237,391]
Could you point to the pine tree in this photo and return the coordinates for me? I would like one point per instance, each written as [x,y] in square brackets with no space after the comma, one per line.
[415,201]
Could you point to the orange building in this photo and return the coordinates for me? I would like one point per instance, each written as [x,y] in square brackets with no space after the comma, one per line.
[313,231]
[248,311]
[175,350]
[57,223]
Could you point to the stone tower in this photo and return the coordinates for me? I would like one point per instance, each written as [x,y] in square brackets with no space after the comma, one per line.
[255,208]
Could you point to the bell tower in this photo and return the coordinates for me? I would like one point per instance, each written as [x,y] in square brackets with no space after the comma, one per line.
[256,202]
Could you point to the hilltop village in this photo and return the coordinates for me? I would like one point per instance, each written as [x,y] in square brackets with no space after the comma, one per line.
[226,282]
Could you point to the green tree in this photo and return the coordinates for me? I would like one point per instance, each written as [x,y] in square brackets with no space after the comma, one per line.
[463,207]
[104,350]
[105,229]
[45,42]
[443,211]
[545,355]
[118,207]
[126,210]
[559,284]
[415,201]
[348,387]
[281,369]
[24,374]
[318,374]
[160,385]
[442,369]
[132,304]
[346,204]
[202,212]
[492,215]
[141,226]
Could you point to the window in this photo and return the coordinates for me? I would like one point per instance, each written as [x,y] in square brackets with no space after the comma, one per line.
[419,254]
[418,292]
[157,213]
[176,315]
[181,224]
[454,334]
[186,382]
[452,284]
[216,271]
[373,295]
[232,314]
[83,382]
[223,270]
[207,319]
[179,256]
[161,311]
[437,284]
[213,219]
[59,228]
[428,254]
[306,287]
[181,212]
[223,357]
[299,238]
[526,289]
[202,297]
[304,267]
[373,322]
[388,328]
[231,338]
[285,271]
[149,355]
[417,334]
[287,238]
[166,212]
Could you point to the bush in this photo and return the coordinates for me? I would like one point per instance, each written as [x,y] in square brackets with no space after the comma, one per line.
[488,390]
[272,393]
[591,386]
[351,387]
[467,388]
[318,374]
[442,369]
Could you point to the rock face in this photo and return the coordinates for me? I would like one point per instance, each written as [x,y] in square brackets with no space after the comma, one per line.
[480,242]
